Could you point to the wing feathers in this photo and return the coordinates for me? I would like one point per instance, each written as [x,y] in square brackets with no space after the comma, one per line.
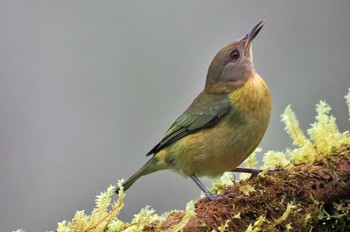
[205,111]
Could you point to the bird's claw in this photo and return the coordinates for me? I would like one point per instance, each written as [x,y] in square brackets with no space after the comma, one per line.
[229,193]
[212,197]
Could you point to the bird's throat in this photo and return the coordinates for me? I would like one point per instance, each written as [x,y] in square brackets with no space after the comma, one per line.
[254,93]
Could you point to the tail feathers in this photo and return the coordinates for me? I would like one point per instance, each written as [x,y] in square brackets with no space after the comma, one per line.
[149,167]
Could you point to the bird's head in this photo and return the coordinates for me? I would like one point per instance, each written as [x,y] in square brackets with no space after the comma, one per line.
[233,65]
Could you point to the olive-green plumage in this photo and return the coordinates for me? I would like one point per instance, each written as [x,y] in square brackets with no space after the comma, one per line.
[223,125]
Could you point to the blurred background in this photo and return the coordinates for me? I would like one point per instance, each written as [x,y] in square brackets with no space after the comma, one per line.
[88,87]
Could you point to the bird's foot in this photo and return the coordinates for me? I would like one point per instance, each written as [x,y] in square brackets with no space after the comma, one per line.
[254,171]
[229,193]
[211,196]
[275,170]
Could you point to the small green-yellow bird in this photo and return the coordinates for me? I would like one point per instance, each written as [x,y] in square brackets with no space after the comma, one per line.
[222,126]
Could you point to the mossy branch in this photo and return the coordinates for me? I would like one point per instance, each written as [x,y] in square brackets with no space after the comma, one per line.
[297,198]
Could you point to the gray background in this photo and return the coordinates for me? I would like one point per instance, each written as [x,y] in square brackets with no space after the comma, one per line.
[87,88]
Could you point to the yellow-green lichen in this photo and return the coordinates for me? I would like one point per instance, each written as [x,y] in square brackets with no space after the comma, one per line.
[305,151]
[324,131]
[256,225]
[273,159]
[101,218]
[347,98]
[189,213]
[324,137]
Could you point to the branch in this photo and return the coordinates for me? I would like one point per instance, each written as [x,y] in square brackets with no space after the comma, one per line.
[300,197]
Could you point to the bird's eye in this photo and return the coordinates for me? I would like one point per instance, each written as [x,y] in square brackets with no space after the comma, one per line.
[234,55]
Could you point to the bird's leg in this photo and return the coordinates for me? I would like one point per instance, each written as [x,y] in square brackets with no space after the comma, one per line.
[253,171]
[208,194]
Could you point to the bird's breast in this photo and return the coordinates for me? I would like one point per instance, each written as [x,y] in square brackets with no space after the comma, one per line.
[212,151]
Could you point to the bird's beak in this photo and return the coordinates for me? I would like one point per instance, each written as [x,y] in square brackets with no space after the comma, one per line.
[252,34]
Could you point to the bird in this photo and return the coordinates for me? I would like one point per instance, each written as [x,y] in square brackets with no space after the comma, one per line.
[222,126]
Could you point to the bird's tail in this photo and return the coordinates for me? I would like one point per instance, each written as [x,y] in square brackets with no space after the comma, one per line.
[147,168]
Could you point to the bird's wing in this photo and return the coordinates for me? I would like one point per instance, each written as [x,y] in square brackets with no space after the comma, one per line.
[205,111]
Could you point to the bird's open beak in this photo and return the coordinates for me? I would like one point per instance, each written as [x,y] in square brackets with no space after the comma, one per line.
[253,33]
